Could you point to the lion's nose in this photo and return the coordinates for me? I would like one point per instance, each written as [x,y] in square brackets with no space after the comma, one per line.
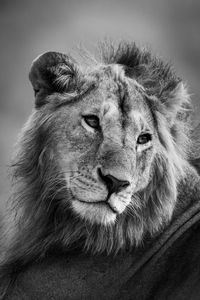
[114,185]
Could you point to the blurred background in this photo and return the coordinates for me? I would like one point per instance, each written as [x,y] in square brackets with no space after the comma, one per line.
[28,28]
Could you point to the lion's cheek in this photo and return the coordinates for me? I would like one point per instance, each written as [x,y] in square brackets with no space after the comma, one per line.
[142,178]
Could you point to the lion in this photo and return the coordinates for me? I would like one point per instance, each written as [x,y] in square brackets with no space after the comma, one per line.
[103,184]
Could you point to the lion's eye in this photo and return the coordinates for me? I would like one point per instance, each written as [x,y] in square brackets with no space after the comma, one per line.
[144,138]
[92,121]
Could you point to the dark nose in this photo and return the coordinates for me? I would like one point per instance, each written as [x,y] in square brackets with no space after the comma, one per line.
[114,185]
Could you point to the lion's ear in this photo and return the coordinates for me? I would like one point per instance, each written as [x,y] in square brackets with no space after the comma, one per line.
[52,72]
[176,102]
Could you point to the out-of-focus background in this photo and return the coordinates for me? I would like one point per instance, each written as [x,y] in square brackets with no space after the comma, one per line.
[30,27]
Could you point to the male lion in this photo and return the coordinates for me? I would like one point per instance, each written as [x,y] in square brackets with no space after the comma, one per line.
[106,204]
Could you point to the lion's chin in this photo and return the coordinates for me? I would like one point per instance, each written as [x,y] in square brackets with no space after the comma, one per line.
[99,213]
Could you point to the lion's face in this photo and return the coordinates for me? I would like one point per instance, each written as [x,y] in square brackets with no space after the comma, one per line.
[101,157]
[115,136]
[106,142]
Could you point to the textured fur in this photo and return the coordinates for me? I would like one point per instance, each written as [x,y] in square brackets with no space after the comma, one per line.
[43,217]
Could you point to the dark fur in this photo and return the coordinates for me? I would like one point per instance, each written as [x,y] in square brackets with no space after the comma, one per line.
[154,75]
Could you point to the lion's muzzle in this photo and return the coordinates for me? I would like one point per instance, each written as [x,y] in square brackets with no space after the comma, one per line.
[113,184]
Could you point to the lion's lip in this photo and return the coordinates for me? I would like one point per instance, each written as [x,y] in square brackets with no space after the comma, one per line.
[100,202]
[104,202]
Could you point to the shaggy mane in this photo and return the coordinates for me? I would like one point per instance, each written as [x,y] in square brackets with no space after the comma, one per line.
[151,72]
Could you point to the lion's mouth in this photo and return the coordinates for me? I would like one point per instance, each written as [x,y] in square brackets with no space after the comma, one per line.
[103,203]
[97,211]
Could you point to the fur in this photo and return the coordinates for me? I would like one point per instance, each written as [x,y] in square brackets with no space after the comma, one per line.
[41,222]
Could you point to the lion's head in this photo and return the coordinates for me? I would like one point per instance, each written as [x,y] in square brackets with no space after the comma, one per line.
[102,154]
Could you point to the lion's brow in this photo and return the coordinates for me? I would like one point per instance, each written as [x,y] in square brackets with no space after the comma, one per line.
[68,98]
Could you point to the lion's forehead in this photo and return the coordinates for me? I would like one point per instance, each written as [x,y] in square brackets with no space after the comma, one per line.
[117,98]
